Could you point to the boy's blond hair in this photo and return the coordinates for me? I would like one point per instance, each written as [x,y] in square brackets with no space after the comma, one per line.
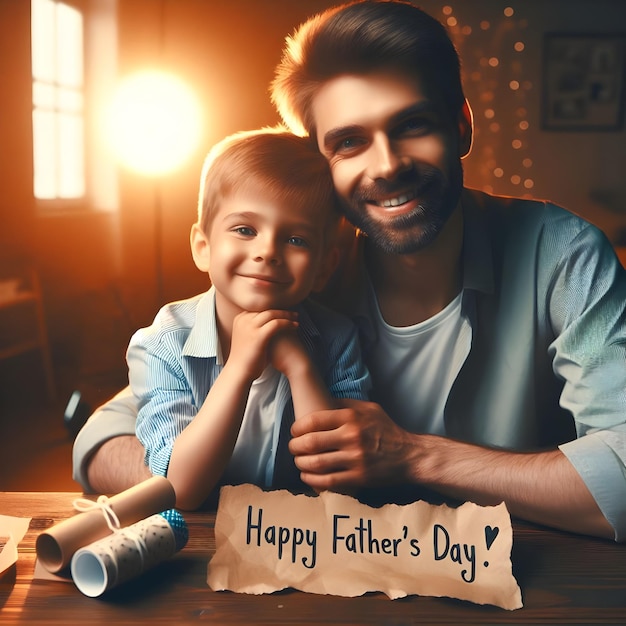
[271,162]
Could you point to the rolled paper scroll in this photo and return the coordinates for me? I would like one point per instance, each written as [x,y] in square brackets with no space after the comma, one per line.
[56,545]
[128,552]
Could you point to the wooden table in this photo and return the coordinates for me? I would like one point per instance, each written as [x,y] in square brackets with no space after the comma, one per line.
[565,579]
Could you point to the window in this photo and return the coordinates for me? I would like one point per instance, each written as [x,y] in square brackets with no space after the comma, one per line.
[58,100]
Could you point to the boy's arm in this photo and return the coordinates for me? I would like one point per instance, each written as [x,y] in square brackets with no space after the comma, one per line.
[203,449]
[343,374]
[308,391]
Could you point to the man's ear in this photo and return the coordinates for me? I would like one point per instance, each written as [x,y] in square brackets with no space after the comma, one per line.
[200,249]
[328,266]
[466,129]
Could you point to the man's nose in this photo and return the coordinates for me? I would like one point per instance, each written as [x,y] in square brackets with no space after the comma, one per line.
[384,159]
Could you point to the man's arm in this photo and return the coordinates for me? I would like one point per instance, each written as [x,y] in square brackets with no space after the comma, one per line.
[116,465]
[361,446]
[106,456]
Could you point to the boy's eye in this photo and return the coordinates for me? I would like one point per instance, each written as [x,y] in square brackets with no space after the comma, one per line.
[297,241]
[245,231]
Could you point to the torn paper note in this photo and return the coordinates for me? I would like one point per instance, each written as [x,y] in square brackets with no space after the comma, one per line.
[333,544]
[12,531]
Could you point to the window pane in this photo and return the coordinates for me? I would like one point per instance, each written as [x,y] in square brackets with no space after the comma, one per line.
[58,100]
[69,46]
[69,101]
[71,180]
[43,39]
[44,154]
[43,95]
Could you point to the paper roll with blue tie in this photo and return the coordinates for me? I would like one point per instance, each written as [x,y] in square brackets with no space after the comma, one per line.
[128,552]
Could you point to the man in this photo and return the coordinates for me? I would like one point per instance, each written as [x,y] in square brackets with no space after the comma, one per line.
[494,329]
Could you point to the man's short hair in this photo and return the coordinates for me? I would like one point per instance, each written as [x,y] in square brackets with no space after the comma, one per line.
[358,38]
[271,163]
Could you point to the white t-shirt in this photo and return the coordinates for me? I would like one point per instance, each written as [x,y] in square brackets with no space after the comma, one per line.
[253,449]
[413,367]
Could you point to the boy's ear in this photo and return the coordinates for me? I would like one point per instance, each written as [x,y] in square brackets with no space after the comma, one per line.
[466,130]
[200,249]
[327,267]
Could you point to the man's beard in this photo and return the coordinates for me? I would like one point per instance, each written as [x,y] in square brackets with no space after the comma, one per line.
[412,231]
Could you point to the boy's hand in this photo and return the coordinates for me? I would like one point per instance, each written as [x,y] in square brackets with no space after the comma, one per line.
[286,352]
[252,333]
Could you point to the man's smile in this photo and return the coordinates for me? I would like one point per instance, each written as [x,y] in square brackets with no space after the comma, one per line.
[398,200]
[401,203]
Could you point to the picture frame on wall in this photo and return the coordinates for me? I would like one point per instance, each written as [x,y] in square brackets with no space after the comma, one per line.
[583,81]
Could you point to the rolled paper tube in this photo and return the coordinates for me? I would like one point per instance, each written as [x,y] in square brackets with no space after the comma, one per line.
[56,545]
[128,552]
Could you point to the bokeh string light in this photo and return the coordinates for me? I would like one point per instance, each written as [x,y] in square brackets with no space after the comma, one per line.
[498,87]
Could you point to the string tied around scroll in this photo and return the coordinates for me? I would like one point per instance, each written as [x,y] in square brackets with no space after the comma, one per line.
[113,522]
[110,517]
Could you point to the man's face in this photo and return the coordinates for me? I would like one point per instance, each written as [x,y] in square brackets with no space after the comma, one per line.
[394,154]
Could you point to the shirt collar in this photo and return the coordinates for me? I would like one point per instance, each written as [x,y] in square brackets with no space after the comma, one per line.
[477,251]
[203,341]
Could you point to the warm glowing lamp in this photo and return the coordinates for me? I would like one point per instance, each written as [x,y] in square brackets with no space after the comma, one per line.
[153,123]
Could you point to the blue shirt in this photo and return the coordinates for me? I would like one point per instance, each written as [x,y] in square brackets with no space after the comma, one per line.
[544,316]
[174,362]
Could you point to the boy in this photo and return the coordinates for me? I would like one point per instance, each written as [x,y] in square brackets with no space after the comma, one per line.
[219,377]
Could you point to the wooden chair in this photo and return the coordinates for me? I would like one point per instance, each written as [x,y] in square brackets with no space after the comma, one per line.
[22,317]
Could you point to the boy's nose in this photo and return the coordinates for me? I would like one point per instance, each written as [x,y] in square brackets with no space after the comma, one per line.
[267,250]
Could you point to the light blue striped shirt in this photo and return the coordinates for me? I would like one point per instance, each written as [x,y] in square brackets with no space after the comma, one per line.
[174,362]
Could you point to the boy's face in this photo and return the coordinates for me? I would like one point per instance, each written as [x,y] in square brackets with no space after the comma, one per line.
[262,254]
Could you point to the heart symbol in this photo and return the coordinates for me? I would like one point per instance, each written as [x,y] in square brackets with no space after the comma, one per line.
[490,535]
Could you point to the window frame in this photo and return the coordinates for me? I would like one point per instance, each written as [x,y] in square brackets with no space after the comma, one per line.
[59,110]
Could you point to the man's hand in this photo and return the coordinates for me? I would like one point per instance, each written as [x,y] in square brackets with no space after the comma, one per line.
[355,446]
[360,446]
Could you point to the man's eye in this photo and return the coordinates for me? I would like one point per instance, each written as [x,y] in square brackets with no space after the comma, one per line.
[348,144]
[414,125]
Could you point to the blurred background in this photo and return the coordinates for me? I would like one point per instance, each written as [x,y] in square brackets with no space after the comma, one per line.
[100,164]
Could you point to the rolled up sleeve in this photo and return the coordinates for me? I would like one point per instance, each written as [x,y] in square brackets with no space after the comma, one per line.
[600,459]
[588,311]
